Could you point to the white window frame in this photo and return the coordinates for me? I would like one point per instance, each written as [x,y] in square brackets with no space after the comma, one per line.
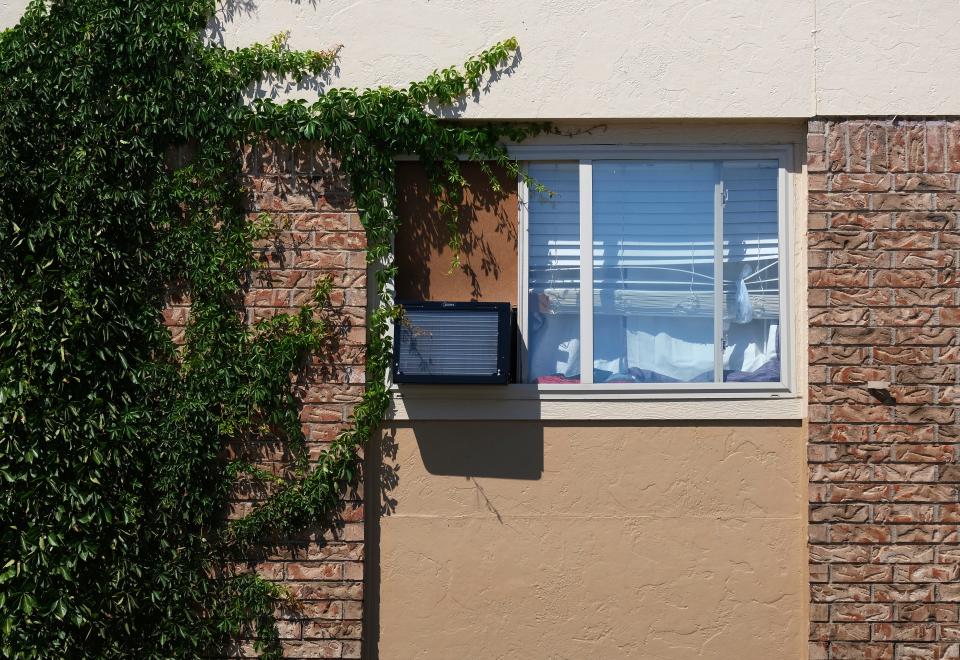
[585,156]
[625,401]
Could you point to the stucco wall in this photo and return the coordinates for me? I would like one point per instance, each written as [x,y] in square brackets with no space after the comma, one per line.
[685,58]
[522,540]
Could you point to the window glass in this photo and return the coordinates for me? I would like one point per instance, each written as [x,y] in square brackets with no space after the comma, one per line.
[553,304]
[751,272]
[668,304]
[653,271]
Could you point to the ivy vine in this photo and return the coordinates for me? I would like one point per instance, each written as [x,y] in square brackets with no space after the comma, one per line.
[113,541]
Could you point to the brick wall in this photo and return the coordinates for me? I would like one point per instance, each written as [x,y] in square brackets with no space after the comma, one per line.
[883,297]
[305,193]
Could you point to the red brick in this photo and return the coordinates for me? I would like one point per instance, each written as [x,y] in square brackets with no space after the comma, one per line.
[857,141]
[946,201]
[861,612]
[843,532]
[843,277]
[838,239]
[896,202]
[858,651]
[859,183]
[902,554]
[922,297]
[926,453]
[838,493]
[861,413]
[840,631]
[821,201]
[924,259]
[903,513]
[949,592]
[903,356]
[868,221]
[904,240]
[837,433]
[836,136]
[923,414]
[925,612]
[926,374]
[831,593]
[839,316]
[859,374]
[953,148]
[903,593]
[904,278]
[924,632]
[923,493]
[934,221]
[860,297]
[905,472]
[852,513]
[905,394]
[862,258]
[840,472]
[936,147]
[925,182]
[950,316]
[862,336]
[902,316]
[860,573]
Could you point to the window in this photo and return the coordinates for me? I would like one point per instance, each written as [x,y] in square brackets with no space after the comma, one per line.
[682,288]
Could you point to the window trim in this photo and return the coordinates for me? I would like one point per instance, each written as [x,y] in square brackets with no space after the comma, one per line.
[584,155]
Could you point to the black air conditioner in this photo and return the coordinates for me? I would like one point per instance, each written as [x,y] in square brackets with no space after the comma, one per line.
[452,343]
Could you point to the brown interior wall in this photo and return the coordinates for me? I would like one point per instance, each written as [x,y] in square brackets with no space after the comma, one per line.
[488,224]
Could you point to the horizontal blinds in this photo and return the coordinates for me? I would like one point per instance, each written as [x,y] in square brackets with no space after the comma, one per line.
[554,226]
[750,222]
[653,225]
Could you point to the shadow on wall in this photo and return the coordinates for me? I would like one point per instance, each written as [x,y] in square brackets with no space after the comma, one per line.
[233,11]
[461,449]
[512,450]
[488,225]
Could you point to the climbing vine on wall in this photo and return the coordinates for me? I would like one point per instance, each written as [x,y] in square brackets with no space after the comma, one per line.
[112,536]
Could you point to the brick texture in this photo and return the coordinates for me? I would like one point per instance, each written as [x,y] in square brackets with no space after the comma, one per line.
[884,299]
[307,195]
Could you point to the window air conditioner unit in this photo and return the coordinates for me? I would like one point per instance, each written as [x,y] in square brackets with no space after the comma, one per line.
[452,343]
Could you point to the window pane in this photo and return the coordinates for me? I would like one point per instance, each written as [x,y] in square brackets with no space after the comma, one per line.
[751,272]
[653,251]
[553,320]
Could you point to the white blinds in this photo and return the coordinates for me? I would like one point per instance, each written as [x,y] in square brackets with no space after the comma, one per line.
[648,213]
[750,225]
[653,232]
[657,270]
[554,226]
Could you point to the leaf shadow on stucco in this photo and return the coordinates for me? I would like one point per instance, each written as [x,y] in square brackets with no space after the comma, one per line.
[229,11]
[456,109]
[269,86]
[386,470]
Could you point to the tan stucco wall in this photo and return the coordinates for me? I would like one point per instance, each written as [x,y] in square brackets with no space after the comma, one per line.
[684,58]
[525,540]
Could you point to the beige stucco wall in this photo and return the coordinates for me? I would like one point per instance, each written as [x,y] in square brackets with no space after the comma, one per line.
[644,59]
[525,540]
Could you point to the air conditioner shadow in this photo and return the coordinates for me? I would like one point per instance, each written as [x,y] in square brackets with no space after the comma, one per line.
[499,450]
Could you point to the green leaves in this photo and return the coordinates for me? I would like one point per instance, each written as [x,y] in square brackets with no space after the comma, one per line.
[121,132]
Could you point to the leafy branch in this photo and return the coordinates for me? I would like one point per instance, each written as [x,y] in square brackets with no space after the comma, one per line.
[112,438]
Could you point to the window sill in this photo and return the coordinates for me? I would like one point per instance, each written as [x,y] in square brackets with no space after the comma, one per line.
[586,403]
